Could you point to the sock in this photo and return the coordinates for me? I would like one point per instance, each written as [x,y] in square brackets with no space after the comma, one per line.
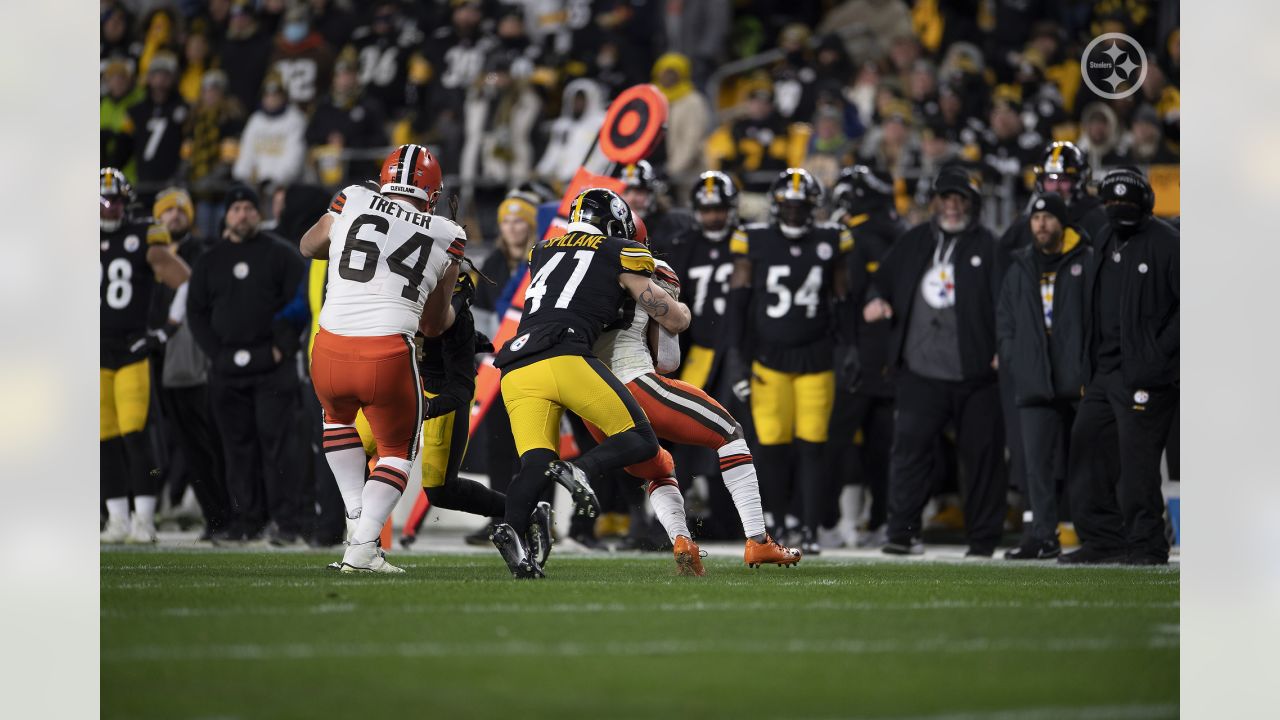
[118,508]
[617,451]
[386,484]
[773,463]
[145,508]
[467,496]
[739,474]
[811,485]
[526,489]
[345,454]
[668,506]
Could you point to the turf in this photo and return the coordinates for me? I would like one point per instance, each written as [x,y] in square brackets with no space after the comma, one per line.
[235,635]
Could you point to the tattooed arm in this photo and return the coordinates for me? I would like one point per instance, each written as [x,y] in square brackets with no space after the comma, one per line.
[667,312]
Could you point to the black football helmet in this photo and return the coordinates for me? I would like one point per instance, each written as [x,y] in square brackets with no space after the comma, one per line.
[641,176]
[605,211]
[860,189]
[715,190]
[115,199]
[793,198]
[1063,161]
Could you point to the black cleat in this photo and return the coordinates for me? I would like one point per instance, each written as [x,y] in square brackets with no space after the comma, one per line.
[1035,550]
[481,536]
[809,543]
[540,532]
[407,541]
[575,481]
[1092,556]
[507,540]
[908,546]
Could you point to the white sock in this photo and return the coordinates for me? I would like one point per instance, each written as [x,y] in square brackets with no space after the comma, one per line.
[145,507]
[345,453]
[382,492]
[739,473]
[118,508]
[668,507]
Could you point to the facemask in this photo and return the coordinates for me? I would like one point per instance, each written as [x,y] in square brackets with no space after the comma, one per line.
[294,32]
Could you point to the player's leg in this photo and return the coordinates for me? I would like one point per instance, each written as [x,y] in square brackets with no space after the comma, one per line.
[531,402]
[815,394]
[444,447]
[344,449]
[773,412]
[113,463]
[133,400]
[290,504]
[589,389]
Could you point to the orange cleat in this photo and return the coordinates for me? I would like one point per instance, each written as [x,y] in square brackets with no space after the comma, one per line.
[688,558]
[769,552]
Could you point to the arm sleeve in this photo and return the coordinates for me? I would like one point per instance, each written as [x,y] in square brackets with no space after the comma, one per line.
[200,310]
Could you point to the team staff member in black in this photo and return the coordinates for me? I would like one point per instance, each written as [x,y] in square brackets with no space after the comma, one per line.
[238,288]
[1132,324]
[136,255]
[1040,326]
[785,305]
[938,286]
[864,401]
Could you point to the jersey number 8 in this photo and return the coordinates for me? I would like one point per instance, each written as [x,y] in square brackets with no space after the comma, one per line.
[119,288]
[397,261]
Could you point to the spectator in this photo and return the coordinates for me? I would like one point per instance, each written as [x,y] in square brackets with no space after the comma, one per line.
[698,30]
[210,144]
[952,122]
[392,70]
[345,118]
[922,88]
[794,76]
[1100,134]
[757,145]
[1040,325]
[333,20]
[244,54]
[830,149]
[302,58]
[893,145]
[116,42]
[158,38]
[238,288]
[647,196]
[115,146]
[272,148]
[1064,169]
[195,62]
[1132,327]
[156,125]
[882,19]
[457,54]
[1144,145]
[943,345]
[500,114]
[832,63]
[574,132]
[1008,147]
[688,118]
[184,394]
[608,69]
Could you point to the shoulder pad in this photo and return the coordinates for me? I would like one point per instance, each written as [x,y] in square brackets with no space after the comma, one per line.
[636,258]
[739,242]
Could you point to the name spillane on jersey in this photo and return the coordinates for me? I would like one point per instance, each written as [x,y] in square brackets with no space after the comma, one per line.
[624,346]
[574,292]
[791,280]
[125,278]
[384,259]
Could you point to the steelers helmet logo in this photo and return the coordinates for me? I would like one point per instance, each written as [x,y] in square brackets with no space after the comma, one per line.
[241,270]
[1121,189]
[132,243]
[618,207]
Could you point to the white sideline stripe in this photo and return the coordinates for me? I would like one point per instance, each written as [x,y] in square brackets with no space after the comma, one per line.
[658,388]
[308,651]
[1088,712]
[587,608]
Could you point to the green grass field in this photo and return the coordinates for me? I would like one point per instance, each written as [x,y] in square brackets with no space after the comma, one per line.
[275,635]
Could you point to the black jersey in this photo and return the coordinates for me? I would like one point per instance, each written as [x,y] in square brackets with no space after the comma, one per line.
[573,294]
[704,268]
[792,320]
[126,282]
[873,235]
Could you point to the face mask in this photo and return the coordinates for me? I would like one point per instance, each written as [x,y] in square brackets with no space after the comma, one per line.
[1124,215]
[294,32]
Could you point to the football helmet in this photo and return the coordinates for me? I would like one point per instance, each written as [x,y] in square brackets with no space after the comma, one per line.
[115,198]
[793,198]
[605,212]
[640,177]
[860,189]
[715,191]
[1063,162]
[412,170]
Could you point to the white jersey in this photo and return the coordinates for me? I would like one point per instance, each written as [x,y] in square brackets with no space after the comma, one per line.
[384,259]
[625,349]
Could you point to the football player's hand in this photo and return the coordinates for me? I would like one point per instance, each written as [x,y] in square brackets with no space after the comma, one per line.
[429,409]
[150,341]
[877,310]
[742,390]
[848,368]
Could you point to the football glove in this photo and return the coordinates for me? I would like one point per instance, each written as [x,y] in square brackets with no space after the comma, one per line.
[153,339]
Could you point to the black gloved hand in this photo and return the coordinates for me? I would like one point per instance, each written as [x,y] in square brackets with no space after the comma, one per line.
[738,371]
[483,343]
[848,366]
[153,339]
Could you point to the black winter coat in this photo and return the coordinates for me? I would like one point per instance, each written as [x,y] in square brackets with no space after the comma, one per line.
[979,266]
[1149,304]
[873,235]
[1044,366]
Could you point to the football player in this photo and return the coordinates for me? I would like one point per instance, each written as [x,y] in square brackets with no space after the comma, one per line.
[863,200]
[684,414]
[786,280]
[1063,169]
[579,281]
[394,276]
[645,193]
[135,256]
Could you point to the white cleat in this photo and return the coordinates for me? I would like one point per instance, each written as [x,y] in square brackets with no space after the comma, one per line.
[366,557]
[116,531]
[142,533]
